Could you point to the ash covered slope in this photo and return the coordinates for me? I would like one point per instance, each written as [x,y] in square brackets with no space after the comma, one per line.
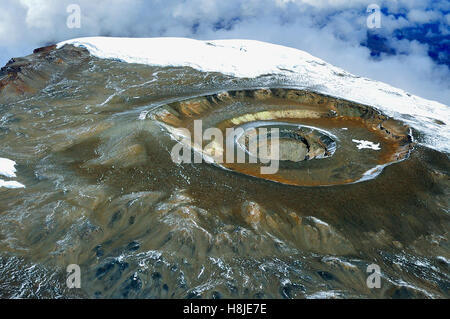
[248,58]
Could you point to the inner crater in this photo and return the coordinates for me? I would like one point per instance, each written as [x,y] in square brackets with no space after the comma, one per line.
[321,140]
[295,143]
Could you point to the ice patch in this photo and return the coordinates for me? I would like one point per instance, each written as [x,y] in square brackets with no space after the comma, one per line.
[372,173]
[362,144]
[7,167]
[11,184]
[318,221]
[250,58]
[331,294]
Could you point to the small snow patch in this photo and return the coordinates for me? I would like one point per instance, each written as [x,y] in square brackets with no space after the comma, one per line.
[7,167]
[11,184]
[367,144]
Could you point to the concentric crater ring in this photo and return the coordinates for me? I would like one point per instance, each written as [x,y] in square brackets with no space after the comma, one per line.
[321,140]
[296,142]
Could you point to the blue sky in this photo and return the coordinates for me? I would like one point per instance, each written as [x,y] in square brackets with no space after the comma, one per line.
[410,50]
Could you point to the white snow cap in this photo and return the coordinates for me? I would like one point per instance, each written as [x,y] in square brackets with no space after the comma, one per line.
[249,58]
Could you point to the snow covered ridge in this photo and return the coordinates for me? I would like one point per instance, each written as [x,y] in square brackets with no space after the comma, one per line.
[249,58]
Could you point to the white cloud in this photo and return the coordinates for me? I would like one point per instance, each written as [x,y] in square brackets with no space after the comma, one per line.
[420,16]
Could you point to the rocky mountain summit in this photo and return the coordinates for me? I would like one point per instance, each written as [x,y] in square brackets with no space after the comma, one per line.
[88,126]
